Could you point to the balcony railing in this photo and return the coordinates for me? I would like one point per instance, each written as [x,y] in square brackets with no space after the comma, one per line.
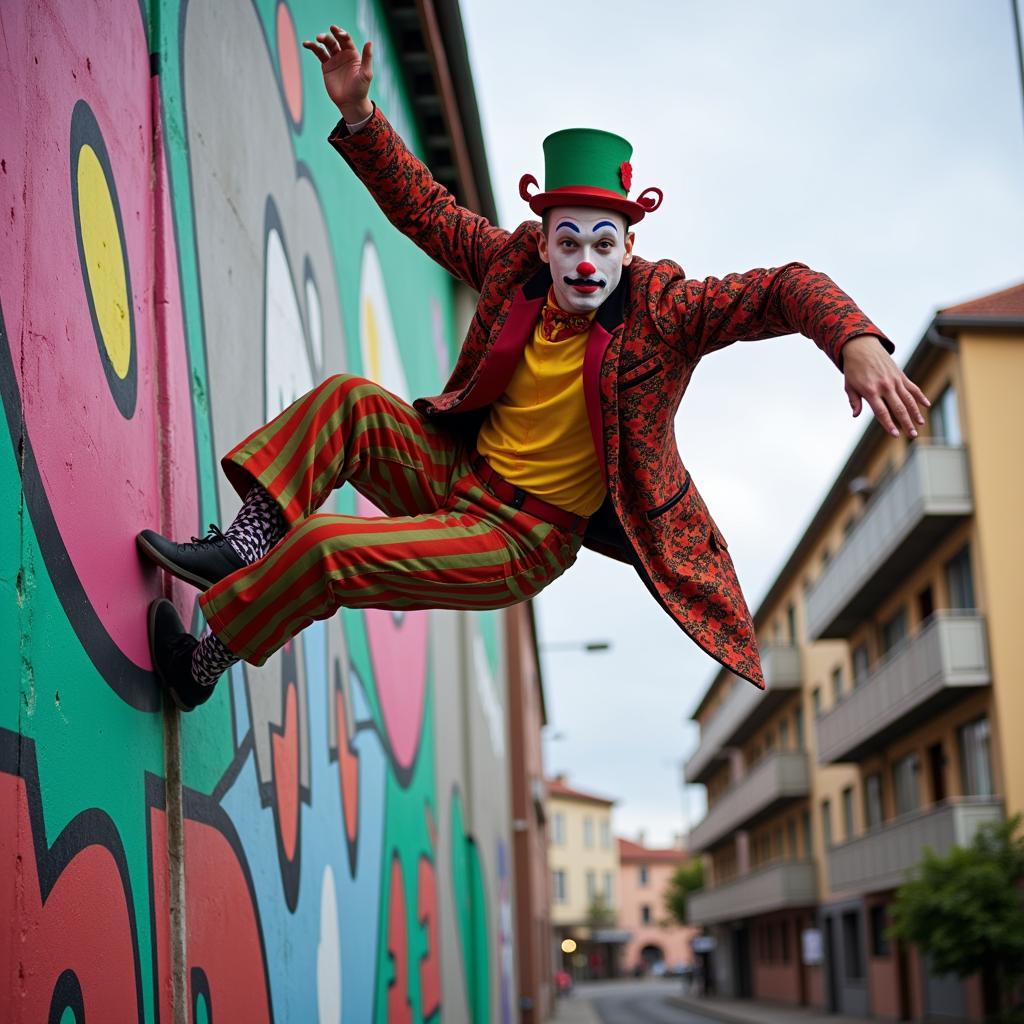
[746,706]
[777,887]
[925,498]
[942,662]
[773,782]
[882,859]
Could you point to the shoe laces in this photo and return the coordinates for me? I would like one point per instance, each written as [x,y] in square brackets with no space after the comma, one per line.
[213,536]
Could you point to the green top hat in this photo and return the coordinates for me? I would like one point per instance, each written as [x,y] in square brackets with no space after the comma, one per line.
[588,167]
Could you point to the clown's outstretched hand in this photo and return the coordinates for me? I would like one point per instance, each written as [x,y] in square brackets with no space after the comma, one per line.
[347,73]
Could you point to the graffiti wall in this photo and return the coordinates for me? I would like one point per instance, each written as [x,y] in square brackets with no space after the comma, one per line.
[183,255]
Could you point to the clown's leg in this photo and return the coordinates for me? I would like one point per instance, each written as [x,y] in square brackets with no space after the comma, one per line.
[475,554]
[346,428]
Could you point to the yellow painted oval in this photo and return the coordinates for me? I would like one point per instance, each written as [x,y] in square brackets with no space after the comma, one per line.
[104,260]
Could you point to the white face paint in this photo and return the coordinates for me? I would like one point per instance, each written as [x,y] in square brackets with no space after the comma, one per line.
[587,249]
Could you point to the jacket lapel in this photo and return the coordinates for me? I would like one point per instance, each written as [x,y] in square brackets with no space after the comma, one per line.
[608,318]
[504,355]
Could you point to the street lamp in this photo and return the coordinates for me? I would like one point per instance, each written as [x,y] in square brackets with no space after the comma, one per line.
[586,646]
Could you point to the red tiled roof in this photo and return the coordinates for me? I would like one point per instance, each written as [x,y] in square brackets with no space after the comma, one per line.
[558,788]
[631,851]
[1007,302]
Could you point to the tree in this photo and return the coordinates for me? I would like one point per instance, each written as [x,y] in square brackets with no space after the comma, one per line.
[599,914]
[687,879]
[966,912]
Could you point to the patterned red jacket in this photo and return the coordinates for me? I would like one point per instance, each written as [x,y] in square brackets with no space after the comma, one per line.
[643,346]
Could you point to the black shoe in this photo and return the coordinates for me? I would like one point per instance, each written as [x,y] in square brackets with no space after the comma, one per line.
[201,562]
[171,646]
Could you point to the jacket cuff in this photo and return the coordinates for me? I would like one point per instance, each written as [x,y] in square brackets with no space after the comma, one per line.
[341,135]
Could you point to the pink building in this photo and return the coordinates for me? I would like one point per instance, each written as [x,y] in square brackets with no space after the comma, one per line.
[644,876]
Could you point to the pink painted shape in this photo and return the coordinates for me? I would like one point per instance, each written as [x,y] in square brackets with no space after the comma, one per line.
[100,472]
[398,648]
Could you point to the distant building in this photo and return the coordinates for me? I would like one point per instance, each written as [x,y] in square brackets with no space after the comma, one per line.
[644,876]
[890,643]
[584,863]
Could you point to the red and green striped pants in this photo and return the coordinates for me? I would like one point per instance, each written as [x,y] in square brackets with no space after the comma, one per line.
[444,540]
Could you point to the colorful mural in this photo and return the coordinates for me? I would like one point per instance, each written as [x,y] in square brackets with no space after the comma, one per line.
[183,255]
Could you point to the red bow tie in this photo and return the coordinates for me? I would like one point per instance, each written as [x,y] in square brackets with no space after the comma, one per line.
[557,325]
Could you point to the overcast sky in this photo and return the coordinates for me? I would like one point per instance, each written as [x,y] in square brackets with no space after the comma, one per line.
[881,142]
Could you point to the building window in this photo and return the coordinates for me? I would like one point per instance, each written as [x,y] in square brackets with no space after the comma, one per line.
[873,801]
[816,700]
[958,580]
[906,778]
[861,665]
[944,418]
[826,821]
[588,832]
[848,812]
[558,885]
[894,630]
[784,735]
[807,834]
[591,886]
[798,724]
[791,623]
[643,874]
[645,914]
[837,684]
[975,740]
[784,929]
[606,834]
[853,955]
[608,894]
[791,833]
[879,940]
[925,603]
[558,829]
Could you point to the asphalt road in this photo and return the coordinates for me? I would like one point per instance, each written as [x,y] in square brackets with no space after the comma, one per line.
[639,1002]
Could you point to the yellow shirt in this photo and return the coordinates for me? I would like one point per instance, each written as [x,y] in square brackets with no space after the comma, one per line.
[537,434]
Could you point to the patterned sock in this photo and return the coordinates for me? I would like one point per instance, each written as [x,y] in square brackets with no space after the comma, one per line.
[258,526]
[209,659]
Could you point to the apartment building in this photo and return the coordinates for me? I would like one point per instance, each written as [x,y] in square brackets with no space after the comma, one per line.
[584,863]
[888,643]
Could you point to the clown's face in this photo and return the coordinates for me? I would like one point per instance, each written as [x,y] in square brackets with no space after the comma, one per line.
[587,249]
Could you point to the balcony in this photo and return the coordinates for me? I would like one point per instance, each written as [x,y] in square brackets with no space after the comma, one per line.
[942,662]
[881,859]
[744,708]
[777,887]
[924,499]
[772,783]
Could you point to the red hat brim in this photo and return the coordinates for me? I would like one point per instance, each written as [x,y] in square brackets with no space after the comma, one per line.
[581,195]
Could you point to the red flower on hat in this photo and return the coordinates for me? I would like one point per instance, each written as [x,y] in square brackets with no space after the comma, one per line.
[626,174]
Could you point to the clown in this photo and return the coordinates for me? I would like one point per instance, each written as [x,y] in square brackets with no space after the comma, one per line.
[554,431]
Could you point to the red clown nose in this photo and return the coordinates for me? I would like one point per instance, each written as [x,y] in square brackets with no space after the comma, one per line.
[585,269]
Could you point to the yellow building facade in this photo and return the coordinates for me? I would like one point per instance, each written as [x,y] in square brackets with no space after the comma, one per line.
[888,642]
[584,863]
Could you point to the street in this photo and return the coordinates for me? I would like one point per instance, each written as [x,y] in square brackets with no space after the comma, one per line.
[638,1002]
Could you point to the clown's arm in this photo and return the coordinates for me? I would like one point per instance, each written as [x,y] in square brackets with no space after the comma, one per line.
[698,317]
[463,242]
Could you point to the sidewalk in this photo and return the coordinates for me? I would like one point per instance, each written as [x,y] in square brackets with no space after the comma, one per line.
[746,1011]
[574,1010]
